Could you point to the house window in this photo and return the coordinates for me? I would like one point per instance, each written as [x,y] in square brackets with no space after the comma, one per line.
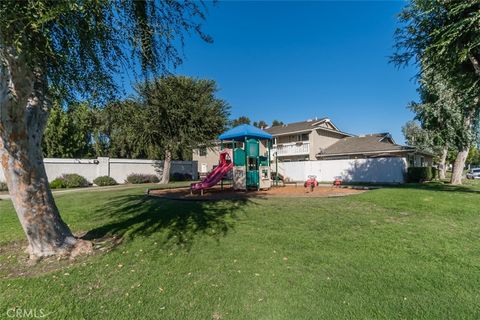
[298,137]
[202,151]
[422,162]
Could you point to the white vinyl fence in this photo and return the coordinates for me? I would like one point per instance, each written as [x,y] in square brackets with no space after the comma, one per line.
[118,169]
[375,170]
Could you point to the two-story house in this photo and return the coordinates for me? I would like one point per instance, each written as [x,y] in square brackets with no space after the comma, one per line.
[320,139]
[301,141]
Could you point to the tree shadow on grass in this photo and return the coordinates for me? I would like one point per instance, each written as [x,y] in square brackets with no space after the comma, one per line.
[182,221]
[441,186]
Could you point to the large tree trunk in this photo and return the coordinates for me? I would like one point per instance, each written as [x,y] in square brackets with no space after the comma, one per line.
[442,167]
[166,167]
[23,114]
[458,166]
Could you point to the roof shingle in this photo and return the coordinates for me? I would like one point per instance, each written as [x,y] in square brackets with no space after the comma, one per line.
[362,144]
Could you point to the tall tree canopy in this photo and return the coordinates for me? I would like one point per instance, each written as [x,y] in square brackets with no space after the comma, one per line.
[179,112]
[442,38]
[68,50]
[68,133]
[417,137]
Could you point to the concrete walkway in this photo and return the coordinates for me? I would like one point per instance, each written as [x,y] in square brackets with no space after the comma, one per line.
[6,196]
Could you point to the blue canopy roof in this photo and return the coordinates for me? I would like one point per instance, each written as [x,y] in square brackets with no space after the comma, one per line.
[244,131]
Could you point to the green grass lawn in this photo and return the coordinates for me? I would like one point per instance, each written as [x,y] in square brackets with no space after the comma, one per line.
[410,252]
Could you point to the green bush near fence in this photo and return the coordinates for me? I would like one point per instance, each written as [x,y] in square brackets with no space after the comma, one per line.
[58,183]
[137,178]
[421,174]
[69,180]
[104,181]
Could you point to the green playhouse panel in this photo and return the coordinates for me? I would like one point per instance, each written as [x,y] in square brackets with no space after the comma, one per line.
[253,148]
[263,161]
[239,157]
[253,178]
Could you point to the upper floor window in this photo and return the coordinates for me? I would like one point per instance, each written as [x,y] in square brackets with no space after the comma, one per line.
[202,151]
[298,137]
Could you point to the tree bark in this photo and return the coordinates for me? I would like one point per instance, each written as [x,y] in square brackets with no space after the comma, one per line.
[443,163]
[475,63]
[166,167]
[458,166]
[23,115]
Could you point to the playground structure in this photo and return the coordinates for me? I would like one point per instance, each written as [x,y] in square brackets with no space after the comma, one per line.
[248,158]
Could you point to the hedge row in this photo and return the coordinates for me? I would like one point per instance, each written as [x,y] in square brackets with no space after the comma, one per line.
[137,178]
[421,174]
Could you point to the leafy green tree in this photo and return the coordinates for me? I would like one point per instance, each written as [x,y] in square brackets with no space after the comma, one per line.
[68,133]
[70,50]
[442,38]
[260,124]
[473,158]
[179,112]
[119,127]
[426,140]
[239,121]
[276,123]
[417,137]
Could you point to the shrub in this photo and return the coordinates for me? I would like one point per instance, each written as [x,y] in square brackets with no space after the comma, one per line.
[3,186]
[177,176]
[420,174]
[137,178]
[70,180]
[58,183]
[104,181]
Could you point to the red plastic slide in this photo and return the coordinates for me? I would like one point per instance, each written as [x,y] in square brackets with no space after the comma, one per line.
[214,177]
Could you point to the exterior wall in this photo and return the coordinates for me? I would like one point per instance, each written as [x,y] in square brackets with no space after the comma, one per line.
[320,139]
[419,160]
[118,169]
[207,161]
[375,170]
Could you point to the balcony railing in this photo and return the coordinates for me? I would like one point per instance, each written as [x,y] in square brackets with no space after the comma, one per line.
[291,149]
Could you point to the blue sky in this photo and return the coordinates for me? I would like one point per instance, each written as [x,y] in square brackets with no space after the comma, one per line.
[296,60]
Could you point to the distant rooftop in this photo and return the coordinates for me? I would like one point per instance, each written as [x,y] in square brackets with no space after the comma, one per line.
[375,142]
[308,125]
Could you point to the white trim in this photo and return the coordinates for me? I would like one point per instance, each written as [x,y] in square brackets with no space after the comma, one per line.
[361,152]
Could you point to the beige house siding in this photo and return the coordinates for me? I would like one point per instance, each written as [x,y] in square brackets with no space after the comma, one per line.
[321,139]
[207,161]
[317,139]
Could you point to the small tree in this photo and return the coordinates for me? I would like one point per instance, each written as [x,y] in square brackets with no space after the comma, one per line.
[177,113]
